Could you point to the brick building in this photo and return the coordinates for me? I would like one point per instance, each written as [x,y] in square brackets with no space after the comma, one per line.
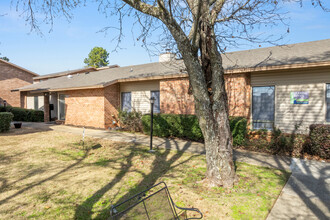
[282,86]
[11,77]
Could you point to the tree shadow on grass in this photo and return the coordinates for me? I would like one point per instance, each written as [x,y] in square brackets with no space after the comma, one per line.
[160,166]
[23,190]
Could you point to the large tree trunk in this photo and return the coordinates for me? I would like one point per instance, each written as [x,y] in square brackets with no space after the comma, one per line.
[206,77]
[213,118]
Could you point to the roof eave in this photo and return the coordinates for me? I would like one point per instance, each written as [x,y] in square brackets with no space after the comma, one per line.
[278,67]
[60,89]
[185,75]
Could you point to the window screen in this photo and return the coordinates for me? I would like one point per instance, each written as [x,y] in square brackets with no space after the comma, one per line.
[263,107]
[156,94]
[328,102]
[36,103]
[126,101]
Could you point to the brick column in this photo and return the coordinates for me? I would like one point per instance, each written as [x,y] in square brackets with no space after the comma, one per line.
[46,107]
[23,96]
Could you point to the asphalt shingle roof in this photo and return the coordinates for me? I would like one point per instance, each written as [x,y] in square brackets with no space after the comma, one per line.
[102,77]
[309,52]
[64,73]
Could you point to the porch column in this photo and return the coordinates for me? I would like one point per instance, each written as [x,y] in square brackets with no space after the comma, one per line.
[46,107]
[23,96]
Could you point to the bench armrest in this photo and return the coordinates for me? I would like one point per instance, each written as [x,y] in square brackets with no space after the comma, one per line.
[190,209]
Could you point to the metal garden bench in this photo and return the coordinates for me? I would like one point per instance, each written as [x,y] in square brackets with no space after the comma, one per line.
[155,203]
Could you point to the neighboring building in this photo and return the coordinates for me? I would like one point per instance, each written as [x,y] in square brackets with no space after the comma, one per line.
[11,77]
[283,86]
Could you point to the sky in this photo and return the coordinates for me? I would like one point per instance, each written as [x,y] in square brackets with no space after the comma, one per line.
[66,46]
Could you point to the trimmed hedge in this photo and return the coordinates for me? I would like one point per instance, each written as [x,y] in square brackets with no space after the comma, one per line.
[5,119]
[187,127]
[319,140]
[22,114]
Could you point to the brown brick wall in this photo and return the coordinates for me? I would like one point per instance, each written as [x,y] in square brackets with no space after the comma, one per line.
[12,78]
[96,108]
[23,99]
[111,105]
[46,107]
[99,107]
[85,108]
[238,89]
[174,96]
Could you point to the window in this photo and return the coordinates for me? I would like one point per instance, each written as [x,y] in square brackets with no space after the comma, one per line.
[36,102]
[126,101]
[61,106]
[156,94]
[263,107]
[328,102]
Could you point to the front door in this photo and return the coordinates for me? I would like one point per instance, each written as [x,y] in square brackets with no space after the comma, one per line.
[61,108]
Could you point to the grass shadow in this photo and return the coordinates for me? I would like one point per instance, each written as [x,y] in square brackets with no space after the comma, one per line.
[160,165]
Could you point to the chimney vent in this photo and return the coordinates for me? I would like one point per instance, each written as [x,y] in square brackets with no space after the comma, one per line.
[167,56]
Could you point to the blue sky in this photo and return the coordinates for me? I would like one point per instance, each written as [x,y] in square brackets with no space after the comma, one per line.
[70,42]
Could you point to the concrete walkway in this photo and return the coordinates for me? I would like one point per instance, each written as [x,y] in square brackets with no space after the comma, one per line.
[305,196]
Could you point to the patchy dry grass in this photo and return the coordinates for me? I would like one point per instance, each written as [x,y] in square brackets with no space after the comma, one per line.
[50,175]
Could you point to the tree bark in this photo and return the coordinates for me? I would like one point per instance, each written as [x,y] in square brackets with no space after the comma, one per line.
[208,88]
[213,119]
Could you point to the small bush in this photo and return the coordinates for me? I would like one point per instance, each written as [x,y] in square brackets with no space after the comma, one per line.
[279,142]
[238,127]
[319,141]
[130,121]
[187,127]
[5,119]
[22,114]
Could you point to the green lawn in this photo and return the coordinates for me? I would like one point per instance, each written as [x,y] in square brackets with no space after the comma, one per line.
[50,175]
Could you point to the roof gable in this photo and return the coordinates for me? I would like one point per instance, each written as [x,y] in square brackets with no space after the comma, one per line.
[18,67]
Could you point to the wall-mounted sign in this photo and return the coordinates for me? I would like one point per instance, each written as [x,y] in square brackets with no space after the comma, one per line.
[299,97]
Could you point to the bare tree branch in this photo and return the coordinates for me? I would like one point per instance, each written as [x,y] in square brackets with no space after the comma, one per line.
[143,7]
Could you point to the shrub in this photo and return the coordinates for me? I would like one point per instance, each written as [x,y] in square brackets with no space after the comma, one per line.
[170,125]
[187,127]
[238,127]
[279,142]
[5,119]
[319,141]
[130,121]
[22,114]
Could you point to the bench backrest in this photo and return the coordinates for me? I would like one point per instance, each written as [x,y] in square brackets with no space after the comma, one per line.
[153,203]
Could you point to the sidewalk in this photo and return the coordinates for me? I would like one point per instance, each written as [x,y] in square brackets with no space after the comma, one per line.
[258,159]
[305,196]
